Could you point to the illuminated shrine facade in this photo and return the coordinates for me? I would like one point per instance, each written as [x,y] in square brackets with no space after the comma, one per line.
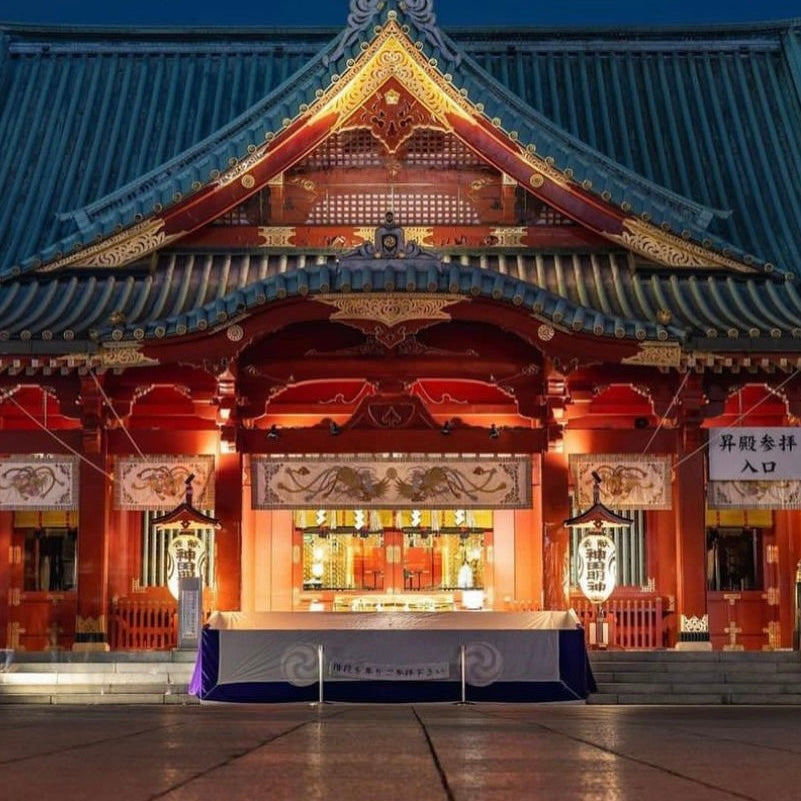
[384,299]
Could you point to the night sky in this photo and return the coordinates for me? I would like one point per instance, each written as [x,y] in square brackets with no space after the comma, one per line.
[450,13]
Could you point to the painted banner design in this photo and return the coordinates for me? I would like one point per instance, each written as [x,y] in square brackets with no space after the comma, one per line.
[356,482]
[628,481]
[754,495]
[50,482]
[159,482]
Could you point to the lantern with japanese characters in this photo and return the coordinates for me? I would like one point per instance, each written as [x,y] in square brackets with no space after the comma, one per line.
[596,567]
[186,557]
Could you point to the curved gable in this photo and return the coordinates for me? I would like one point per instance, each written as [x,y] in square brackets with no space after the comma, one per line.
[205,181]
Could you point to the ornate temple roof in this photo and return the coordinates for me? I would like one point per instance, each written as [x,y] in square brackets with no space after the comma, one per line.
[697,130]
[593,294]
[693,132]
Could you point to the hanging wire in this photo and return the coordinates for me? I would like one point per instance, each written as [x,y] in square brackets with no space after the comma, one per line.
[57,438]
[663,417]
[114,412]
[739,419]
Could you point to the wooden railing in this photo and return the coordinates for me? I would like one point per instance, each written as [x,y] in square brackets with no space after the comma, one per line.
[142,625]
[636,623]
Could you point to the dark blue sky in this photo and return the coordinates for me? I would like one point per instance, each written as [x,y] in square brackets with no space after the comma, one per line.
[449,12]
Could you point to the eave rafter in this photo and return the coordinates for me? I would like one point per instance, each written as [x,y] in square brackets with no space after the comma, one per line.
[391,56]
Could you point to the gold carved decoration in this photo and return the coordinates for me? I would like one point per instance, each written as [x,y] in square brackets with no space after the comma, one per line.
[391,55]
[421,234]
[392,115]
[656,354]
[665,248]
[276,236]
[120,249]
[509,237]
[417,233]
[90,625]
[390,309]
[123,357]
[241,169]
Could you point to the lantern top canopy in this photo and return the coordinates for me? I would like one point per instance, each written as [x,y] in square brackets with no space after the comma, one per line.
[185,516]
[597,516]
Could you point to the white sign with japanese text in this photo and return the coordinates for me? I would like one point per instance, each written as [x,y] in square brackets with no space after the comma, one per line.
[754,454]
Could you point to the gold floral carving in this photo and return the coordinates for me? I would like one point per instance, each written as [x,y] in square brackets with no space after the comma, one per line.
[656,354]
[123,357]
[391,55]
[390,309]
[421,234]
[665,248]
[241,168]
[90,625]
[509,237]
[120,249]
[276,236]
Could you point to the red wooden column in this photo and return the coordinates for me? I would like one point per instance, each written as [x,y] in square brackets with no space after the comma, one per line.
[556,544]
[6,559]
[91,618]
[228,510]
[689,501]
[94,504]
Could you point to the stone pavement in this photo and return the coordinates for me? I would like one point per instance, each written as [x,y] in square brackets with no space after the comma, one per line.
[420,752]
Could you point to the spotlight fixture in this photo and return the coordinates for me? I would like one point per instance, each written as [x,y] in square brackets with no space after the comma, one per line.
[494,433]
[273,432]
[446,428]
[334,429]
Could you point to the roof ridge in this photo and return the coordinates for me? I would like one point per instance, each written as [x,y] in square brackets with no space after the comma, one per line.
[198,165]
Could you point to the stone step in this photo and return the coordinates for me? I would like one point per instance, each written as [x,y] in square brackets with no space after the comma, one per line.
[100,679]
[703,677]
[97,698]
[677,676]
[705,687]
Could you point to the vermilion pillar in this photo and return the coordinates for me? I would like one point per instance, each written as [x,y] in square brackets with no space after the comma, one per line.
[94,538]
[6,559]
[689,502]
[228,510]
[556,541]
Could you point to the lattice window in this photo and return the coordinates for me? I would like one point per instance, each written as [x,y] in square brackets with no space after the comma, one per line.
[630,544]
[409,208]
[358,148]
[436,149]
[155,543]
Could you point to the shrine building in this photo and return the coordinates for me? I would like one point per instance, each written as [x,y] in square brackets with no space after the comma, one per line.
[361,319]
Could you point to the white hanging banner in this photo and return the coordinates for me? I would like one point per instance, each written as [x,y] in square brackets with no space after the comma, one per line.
[754,495]
[754,454]
[159,482]
[376,482]
[50,482]
[628,481]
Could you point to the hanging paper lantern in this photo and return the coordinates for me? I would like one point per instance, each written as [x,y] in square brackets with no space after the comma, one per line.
[186,557]
[597,567]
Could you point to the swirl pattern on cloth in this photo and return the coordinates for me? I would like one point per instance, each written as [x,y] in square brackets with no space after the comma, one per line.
[299,664]
[484,663]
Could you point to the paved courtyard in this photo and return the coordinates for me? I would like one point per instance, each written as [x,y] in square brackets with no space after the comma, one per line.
[397,753]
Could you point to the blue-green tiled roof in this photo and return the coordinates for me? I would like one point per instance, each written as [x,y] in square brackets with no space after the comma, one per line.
[592,294]
[99,126]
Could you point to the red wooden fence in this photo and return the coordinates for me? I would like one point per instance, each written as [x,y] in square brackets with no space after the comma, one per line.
[142,625]
[636,623]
